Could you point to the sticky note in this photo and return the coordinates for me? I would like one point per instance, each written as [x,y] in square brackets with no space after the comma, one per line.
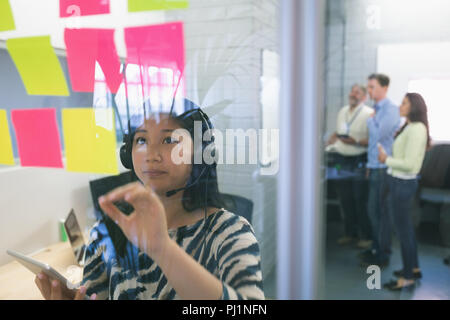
[90,140]
[6,16]
[6,152]
[38,66]
[37,137]
[74,8]
[84,48]
[160,45]
[148,5]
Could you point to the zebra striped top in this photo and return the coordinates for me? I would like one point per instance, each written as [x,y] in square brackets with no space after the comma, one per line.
[230,252]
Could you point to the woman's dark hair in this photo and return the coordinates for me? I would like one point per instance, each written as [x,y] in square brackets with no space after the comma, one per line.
[417,113]
[203,179]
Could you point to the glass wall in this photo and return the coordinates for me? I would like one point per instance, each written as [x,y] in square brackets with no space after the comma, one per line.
[309,173]
[386,224]
[222,56]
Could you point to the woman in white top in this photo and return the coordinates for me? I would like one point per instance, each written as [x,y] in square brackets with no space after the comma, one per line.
[409,150]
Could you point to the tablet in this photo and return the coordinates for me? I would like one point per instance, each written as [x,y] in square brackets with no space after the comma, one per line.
[37,267]
[75,236]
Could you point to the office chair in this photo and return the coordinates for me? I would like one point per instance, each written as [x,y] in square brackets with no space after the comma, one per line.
[102,186]
[239,205]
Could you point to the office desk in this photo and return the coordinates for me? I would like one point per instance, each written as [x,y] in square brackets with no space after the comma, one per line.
[17,282]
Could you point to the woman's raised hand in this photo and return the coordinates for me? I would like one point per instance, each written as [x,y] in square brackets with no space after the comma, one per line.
[146,226]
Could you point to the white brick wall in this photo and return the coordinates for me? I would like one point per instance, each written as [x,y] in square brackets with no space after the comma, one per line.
[225,39]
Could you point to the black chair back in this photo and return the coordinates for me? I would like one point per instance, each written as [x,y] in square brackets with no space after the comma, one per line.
[102,186]
[436,167]
[239,205]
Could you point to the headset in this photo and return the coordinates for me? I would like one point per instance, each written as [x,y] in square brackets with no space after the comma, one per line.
[127,162]
[193,111]
[127,146]
[125,150]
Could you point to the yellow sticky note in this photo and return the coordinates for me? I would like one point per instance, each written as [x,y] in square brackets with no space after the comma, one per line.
[90,140]
[6,151]
[38,66]
[6,16]
[148,5]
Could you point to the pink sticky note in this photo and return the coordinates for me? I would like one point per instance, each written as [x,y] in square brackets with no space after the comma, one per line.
[73,8]
[151,51]
[84,47]
[159,45]
[37,137]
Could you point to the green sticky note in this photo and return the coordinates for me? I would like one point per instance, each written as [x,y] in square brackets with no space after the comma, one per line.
[6,16]
[6,151]
[148,5]
[38,66]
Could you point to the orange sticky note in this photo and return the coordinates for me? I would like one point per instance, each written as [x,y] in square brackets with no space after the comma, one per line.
[6,151]
[90,140]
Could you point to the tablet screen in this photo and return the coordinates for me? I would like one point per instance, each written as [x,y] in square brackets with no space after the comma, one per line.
[75,235]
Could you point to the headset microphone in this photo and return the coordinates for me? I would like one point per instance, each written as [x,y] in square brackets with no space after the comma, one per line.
[172,192]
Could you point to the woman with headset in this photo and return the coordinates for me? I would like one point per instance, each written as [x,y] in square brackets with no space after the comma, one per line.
[181,243]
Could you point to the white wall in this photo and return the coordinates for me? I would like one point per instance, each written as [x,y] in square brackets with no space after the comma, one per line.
[409,61]
[32,202]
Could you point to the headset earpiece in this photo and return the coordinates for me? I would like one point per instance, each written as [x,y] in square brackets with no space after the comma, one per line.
[212,150]
[211,143]
[125,153]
